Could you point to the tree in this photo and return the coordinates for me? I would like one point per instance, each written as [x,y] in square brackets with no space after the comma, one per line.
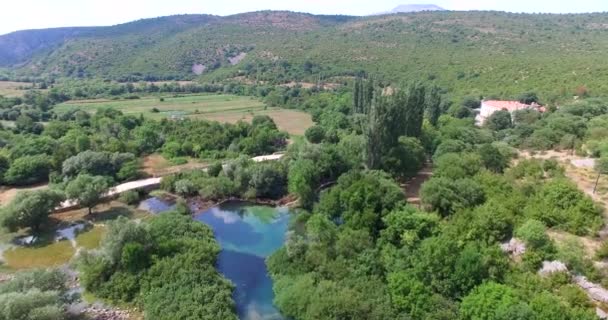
[528,98]
[31,209]
[28,170]
[268,180]
[391,117]
[4,165]
[315,134]
[433,105]
[533,233]
[457,165]
[87,190]
[601,167]
[363,94]
[25,124]
[446,196]
[471,102]
[100,163]
[499,120]
[303,180]
[405,159]
[215,169]
[492,158]
[488,302]
[34,295]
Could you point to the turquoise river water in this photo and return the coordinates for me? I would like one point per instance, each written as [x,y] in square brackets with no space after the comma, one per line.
[248,234]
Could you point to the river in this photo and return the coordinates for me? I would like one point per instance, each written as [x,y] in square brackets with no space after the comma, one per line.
[248,234]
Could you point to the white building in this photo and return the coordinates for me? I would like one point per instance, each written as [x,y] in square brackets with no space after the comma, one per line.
[488,107]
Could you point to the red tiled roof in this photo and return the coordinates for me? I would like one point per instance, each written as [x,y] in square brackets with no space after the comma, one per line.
[509,105]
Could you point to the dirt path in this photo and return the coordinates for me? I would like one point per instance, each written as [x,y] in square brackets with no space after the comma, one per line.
[413,185]
[7,194]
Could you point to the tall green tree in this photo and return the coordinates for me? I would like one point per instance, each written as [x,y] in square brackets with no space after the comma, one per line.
[433,105]
[30,209]
[87,190]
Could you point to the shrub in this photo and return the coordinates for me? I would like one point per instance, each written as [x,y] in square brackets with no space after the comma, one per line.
[185,188]
[28,170]
[315,134]
[130,197]
[215,169]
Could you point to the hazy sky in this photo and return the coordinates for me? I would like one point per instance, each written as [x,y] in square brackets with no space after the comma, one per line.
[32,14]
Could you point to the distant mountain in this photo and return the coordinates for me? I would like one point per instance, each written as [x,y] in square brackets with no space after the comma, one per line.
[489,53]
[416,8]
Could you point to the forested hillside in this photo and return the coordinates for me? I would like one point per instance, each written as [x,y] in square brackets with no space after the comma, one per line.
[482,53]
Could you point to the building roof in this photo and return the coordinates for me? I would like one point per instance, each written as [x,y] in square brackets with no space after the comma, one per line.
[508,105]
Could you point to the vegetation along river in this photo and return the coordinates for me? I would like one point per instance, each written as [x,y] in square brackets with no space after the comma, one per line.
[248,234]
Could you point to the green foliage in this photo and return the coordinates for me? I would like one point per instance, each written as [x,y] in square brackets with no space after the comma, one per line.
[164,265]
[559,203]
[405,159]
[492,301]
[457,165]
[493,159]
[533,233]
[302,178]
[87,190]
[97,163]
[361,200]
[315,134]
[446,196]
[392,117]
[130,197]
[30,209]
[28,170]
[499,120]
[215,169]
[602,251]
[34,295]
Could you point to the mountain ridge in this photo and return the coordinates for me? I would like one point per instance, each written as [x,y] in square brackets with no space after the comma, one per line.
[471,51]
[406,8]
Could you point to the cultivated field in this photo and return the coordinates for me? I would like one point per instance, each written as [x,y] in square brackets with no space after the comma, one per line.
[13,89]
[222,108]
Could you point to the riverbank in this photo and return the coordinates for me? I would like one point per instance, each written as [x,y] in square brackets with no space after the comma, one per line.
[198,204]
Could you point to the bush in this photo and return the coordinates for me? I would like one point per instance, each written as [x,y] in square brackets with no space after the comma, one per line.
[28,170]
[215,169]
[130,197]
[602,251]
[185,188]
[533,233]
[315,134]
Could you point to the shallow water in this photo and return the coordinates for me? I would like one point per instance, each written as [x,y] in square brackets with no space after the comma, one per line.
[248,234]
[155,205]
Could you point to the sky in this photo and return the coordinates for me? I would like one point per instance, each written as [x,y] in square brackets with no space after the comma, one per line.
[35,14]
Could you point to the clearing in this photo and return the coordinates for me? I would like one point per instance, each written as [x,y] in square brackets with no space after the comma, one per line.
[14,89]
[155,165]
[221,108]
[7,194]
[580,171]
[49,252]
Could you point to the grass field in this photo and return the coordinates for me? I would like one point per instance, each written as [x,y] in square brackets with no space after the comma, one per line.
[222,108]
[51,255]
[13,89]
[91,239]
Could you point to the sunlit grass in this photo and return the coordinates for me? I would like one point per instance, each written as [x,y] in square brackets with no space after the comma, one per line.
[91,239]
[44,256]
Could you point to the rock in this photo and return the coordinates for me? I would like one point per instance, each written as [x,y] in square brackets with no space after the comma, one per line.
[595,291]
[514,247]
[550,267]
[601,313]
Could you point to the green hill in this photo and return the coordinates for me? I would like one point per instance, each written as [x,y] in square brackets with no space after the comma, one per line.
[490,53]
